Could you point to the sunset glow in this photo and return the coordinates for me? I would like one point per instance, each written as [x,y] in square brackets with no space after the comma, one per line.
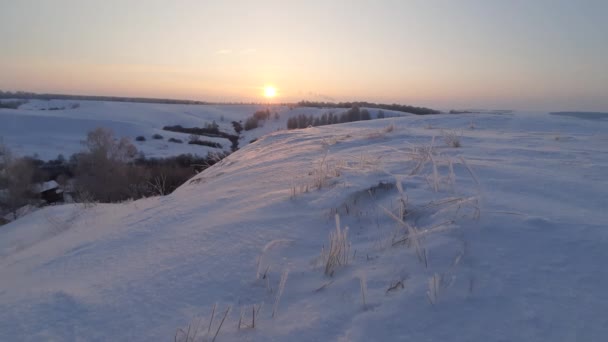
[270,92]
[473,54]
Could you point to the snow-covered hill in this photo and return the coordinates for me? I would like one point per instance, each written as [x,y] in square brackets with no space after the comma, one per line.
[501,239]
[53,127]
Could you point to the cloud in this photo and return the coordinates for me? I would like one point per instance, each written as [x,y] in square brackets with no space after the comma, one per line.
[224,52]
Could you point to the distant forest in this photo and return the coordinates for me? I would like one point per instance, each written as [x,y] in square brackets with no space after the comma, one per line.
[24,95]
[394,106]
[28,96]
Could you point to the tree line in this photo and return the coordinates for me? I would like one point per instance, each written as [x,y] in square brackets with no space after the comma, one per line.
[353,114]
[109,169]
[394,106]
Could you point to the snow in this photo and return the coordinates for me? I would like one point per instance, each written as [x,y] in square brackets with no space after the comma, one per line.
[512,222]
[46,186]
[34,129]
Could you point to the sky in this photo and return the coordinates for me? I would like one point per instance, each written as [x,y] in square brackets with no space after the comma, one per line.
[517,54]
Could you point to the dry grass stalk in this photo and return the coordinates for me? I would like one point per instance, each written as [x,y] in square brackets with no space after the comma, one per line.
[221,323]
[363,286]
[425,231]
[412,233]
[280,292]
[395,286]
[243,325]
[339,249]
[211,320]
[260,260]
[185,335]
[433,291]
[324,286]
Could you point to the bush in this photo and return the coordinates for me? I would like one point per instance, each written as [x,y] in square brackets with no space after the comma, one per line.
[157,136]
[213,127]
[140,138]
[254,121]
[102,170]
[234,139]
[18,176]
[11,104]
[205,143]
[238,128]
[262,115]
[174,140]
[194,137]
[251,123]
[451,138]
[365,115]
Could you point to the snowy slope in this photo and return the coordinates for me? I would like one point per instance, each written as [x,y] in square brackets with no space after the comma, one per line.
[511,226]
[35,129]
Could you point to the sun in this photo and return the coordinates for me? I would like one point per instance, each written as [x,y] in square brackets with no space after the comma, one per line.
[270,91]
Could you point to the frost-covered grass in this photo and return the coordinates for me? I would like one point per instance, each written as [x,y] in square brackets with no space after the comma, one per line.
[338,251]
[500,239]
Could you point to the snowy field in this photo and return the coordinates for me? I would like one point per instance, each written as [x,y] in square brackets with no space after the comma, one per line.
[501,239]
[53,127]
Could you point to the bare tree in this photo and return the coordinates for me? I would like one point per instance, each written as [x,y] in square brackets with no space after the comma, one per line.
[19,174]
[5,158]
[102,170]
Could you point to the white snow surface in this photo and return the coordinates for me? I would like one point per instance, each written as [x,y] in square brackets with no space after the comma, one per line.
[35,129]
[517,233]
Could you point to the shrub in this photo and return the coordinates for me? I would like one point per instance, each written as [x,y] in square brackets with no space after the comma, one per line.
[193,137]
[157,136]
[238,128]
[254,121]
[174,140]
[20,176]
[292,123]
[353,114]
[365,115]
[213,127]
[304,121]
[205,143]
[251,123]
[262,115]
[451,138]
[102,169]
[15,104]
[140,138]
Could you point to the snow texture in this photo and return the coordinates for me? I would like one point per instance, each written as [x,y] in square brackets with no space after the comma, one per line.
[501,239]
